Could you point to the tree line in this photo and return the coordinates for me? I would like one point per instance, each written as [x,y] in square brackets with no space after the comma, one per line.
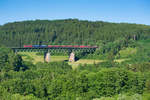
[69,32]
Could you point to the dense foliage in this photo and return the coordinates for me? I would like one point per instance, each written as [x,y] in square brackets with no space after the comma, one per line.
[58,81]
[109,80]
[10,61]
[70,31]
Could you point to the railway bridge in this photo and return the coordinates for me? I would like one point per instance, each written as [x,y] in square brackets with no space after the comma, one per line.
[71,50]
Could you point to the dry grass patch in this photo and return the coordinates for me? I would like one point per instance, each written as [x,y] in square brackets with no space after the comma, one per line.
[84,61]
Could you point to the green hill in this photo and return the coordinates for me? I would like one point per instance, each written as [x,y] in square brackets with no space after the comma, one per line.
[69,31]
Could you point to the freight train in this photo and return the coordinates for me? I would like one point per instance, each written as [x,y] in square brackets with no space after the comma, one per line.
[58,46]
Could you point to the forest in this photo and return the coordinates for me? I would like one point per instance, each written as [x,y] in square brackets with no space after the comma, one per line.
[69,32]
[128,79]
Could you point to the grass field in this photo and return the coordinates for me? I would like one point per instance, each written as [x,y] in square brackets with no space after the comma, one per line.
[31,56]
[84,61]
[121,60]
[127,52]
[145,44]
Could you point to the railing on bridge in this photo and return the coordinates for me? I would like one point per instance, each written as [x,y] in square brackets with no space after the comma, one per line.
[56,49]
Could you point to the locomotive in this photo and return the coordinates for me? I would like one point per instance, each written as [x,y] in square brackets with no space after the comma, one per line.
[58,46]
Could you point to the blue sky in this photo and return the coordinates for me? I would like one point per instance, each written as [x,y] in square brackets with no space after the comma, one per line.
[129,11]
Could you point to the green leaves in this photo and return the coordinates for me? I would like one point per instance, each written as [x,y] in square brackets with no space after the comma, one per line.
[75,32]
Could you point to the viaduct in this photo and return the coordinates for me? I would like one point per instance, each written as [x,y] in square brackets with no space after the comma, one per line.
[47,50]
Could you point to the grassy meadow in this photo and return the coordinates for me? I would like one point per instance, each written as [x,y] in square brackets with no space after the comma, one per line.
[33,57]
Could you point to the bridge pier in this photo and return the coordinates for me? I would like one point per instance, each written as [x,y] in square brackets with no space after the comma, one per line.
[69,49]
[47,57]
[72,57]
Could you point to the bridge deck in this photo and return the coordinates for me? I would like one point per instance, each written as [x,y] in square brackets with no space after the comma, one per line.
[53,49]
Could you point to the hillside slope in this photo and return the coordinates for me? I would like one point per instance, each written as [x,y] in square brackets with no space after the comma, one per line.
[69,32]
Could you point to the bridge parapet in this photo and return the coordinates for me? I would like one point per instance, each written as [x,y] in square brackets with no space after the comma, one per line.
[90,50]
